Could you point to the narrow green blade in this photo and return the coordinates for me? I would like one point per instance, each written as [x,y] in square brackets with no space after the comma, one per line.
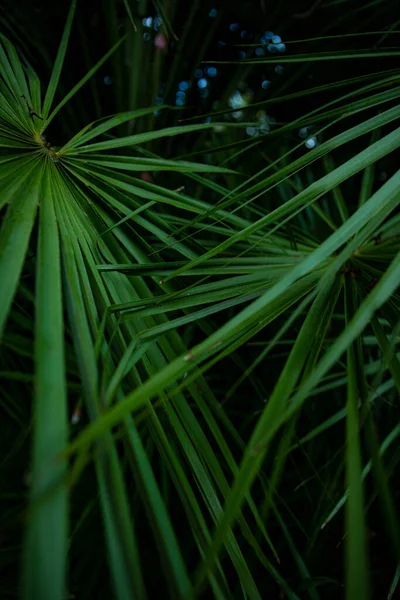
[47,531]
[14,238]
[55,76]
[357,579]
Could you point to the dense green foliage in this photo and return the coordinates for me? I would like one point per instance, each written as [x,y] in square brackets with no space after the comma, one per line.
[199,308]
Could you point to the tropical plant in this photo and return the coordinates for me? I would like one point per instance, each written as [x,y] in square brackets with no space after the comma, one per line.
[139,311]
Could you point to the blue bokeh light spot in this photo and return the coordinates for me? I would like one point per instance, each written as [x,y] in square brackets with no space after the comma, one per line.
[281,47]
[276,39]
[183,86]
[265,84]
[252,131]
[236,100]
[202,83]
[234,26]
[198,73]
[303,132]
[107,80]
[213,13]
[211,71]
